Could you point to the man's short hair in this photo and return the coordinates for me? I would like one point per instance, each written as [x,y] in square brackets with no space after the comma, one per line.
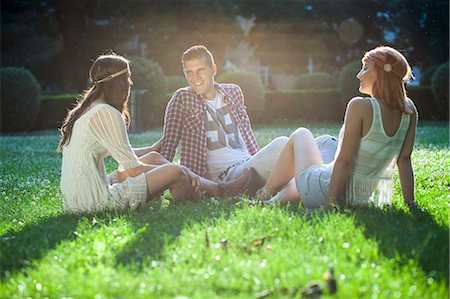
[196,52]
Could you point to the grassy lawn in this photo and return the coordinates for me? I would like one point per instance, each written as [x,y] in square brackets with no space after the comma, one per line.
[214,249]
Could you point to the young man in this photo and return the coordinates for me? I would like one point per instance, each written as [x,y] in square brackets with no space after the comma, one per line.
[210,122]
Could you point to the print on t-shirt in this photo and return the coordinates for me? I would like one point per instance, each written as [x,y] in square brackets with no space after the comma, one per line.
[225,145]
[221,130]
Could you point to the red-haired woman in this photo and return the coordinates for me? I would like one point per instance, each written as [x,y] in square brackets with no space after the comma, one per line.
[96,128]
[378,131]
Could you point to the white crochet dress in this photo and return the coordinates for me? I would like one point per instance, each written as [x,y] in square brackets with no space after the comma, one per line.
[85,187]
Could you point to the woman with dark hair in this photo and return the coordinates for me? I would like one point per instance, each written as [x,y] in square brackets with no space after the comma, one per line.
[96,128]
[378,132]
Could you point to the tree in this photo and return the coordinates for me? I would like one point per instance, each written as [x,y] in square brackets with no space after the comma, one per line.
[67,35]
[29,36]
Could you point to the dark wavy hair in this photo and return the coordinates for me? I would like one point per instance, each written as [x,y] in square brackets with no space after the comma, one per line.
[114,92]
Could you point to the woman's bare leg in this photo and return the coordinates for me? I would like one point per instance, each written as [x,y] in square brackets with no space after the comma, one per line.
[169,176]
[300,152]
[151,158]
[288,193]
[231,188]
[179,180]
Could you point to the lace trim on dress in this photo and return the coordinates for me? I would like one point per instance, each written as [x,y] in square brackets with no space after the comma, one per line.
[135,190]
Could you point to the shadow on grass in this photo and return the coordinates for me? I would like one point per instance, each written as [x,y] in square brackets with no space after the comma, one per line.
[414,235]
[157,227]
[19,249]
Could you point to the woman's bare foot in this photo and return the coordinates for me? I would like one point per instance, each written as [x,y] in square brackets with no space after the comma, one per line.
[264,194]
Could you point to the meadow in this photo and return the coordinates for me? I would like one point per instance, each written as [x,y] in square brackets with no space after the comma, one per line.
[215,249]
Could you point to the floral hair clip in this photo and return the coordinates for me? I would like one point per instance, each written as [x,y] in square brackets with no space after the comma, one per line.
[387,67]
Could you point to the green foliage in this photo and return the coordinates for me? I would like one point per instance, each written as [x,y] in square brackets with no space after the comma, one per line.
[347,82]
[161,252]
[19,99]
[253,90]
[19,38]
[423,99]
[439,85]
[428,74]
[309,105]
[65,34]
[175,82]
[59,97]
[147,74]
[54,110]
[316,80]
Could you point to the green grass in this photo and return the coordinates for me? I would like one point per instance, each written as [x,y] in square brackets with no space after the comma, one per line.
[213,249]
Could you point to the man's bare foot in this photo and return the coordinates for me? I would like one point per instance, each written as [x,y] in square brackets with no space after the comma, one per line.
[237,186]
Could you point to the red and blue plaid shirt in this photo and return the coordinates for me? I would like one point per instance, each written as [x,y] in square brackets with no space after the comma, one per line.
[184,123]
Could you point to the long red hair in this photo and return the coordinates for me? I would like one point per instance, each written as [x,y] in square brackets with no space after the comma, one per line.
[393,71]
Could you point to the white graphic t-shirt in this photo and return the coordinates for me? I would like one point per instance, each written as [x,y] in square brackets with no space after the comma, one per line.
[225,145]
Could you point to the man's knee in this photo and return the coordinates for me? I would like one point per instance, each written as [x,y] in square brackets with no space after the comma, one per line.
[264,160]
[278,143]
[271,151]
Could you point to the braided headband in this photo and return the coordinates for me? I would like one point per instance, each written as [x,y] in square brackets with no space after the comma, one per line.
[111,76]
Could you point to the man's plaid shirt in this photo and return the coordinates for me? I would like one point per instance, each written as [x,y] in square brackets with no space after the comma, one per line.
[184,123]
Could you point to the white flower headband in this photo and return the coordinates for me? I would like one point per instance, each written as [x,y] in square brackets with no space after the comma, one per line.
[387,67]
[107,78]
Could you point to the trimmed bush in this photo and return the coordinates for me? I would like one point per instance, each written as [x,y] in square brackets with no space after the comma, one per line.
[423,99]
[347,82]
[148,75]
[317,80]
[19,99]
[427,74]
[439,85]
[252,88]
[54,109]
[175,82]
[311,105]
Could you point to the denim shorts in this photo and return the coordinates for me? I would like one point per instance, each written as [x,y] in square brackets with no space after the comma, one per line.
[312,184]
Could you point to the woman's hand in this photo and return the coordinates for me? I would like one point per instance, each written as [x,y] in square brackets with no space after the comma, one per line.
[193,178]
[122,175]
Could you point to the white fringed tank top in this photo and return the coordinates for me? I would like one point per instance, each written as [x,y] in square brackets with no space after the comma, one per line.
[371,179]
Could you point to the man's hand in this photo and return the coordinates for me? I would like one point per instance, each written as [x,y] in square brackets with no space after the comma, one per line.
[156,147]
